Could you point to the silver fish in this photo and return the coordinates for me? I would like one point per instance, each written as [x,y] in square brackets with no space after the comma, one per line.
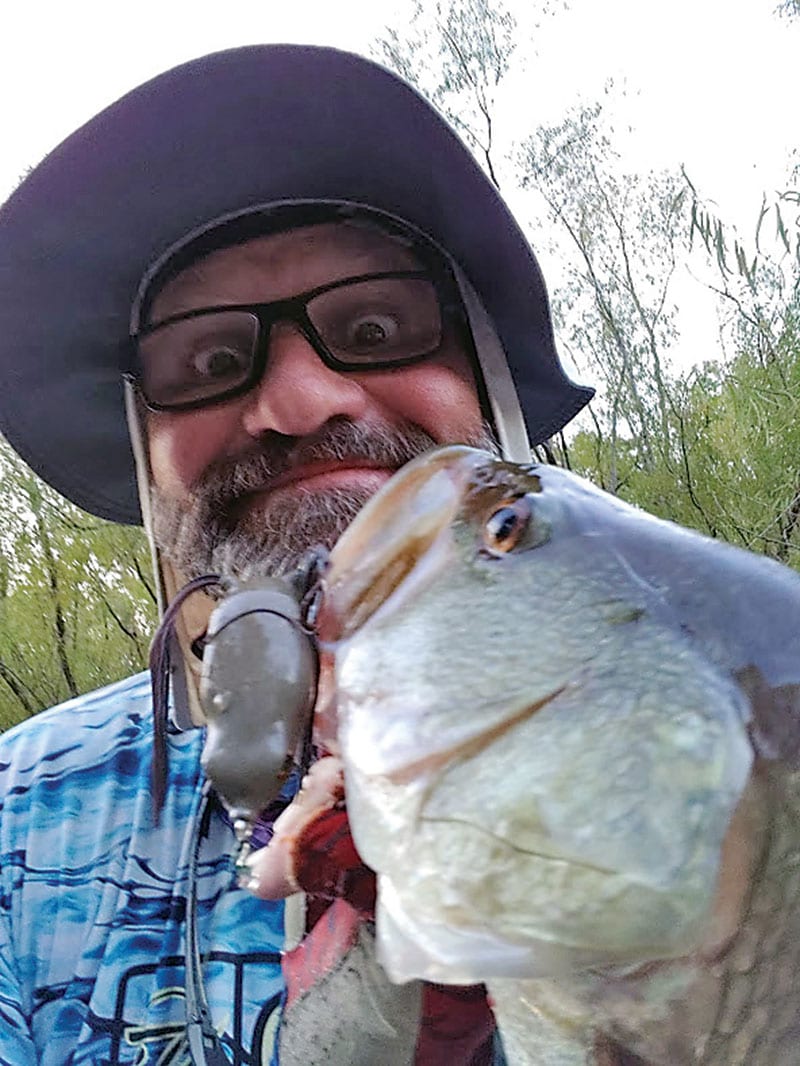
[571,736]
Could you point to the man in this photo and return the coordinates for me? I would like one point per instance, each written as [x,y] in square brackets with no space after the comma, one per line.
[318,283]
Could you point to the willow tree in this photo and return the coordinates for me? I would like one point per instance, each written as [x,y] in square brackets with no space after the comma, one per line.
[457,56]
[620,235]
[76,602]
[616,236]
[713,447]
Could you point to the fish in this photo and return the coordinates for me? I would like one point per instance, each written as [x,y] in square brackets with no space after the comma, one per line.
[571,742]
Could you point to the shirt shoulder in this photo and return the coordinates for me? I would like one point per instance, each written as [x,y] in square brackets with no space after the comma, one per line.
[98,713]
[94,892]
[70,768]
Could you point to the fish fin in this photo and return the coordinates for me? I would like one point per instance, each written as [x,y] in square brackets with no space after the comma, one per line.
[607,1052]
[775,724]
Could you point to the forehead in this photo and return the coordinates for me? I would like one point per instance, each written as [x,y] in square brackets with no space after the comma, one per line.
[282,264]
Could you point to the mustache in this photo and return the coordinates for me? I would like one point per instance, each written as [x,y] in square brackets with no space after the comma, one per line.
[228,480]
[212,532]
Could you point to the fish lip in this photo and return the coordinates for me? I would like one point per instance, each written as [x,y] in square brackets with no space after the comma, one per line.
[429,763]
[389,538]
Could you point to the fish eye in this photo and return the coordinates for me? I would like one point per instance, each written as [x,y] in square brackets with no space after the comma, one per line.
[506,525]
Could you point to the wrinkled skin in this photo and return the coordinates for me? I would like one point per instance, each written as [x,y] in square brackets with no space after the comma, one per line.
[570,737]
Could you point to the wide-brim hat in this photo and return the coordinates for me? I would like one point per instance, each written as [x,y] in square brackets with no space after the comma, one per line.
[231,132]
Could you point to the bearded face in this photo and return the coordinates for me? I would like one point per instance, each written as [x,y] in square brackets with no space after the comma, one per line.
[219,531]
[248,479]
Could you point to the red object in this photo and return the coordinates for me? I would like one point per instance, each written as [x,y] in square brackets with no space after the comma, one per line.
[456,1026]
[329,867]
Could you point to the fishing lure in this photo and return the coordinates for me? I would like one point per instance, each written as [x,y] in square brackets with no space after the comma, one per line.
[257,689]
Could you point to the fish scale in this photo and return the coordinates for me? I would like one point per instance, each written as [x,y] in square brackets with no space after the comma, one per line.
[750,996]
[758,1018]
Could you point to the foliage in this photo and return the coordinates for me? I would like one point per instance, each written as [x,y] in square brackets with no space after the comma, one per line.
[759,279]
[715,448]
[734,470]
[732,467]
[612,309]
[789,9]
[76,603]
[457,55]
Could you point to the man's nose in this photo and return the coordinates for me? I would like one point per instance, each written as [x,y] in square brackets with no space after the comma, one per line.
[298,393]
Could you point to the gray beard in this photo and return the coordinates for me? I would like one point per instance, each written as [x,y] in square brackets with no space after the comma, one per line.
[214,534]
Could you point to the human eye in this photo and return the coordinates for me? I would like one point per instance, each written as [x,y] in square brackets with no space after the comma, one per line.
[217,347]
[218,360]
[380,319]
[370,330]
[189,359]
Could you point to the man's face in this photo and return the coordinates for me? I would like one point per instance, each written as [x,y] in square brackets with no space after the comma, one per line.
[251,483]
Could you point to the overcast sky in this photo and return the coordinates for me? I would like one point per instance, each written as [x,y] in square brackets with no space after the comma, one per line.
[711,84]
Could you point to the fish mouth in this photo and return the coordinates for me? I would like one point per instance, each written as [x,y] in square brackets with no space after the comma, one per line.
[434,761]
[400,526]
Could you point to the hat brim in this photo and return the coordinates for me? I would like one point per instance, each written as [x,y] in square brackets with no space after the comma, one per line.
[211,138]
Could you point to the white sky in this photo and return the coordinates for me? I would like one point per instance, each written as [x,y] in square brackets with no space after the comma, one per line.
[712,84]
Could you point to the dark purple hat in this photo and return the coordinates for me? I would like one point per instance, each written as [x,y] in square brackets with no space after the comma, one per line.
[217,136]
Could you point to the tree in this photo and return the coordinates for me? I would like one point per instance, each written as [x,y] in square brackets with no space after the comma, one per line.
[789,9]
[457,55]
[741,416]
[713,447]
[76,603]
[618,234]
[738,435]
[619,238]
[758,280]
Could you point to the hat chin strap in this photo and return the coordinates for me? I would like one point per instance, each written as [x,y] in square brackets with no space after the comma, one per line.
[185,710]
[506,412]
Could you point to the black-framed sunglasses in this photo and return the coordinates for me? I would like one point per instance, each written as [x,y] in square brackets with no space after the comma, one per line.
[366,322]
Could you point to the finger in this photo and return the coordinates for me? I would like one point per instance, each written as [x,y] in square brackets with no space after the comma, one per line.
[273,870]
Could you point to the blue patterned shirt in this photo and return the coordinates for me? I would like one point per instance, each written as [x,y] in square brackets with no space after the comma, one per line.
[93,897]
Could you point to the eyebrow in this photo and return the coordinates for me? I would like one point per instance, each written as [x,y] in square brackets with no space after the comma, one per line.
[364,261]
[299,297]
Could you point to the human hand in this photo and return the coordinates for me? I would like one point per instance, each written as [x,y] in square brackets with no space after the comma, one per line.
[312,850]
[333,980]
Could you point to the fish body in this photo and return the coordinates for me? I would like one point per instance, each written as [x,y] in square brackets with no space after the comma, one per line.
[570,734]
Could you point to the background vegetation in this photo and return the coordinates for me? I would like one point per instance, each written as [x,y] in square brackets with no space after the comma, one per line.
[715,446]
